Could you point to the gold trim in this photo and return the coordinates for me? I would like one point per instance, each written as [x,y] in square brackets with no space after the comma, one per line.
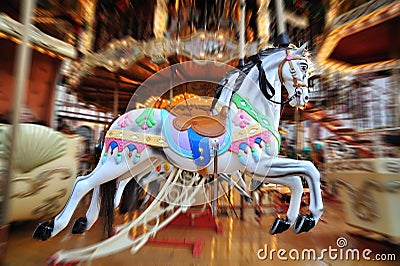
[159,141]
[152,140]
[247,132]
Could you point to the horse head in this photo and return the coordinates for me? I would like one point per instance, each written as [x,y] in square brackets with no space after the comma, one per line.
[293,75]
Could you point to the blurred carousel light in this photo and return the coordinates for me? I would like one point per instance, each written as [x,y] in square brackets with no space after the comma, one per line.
[160,19]
[123,61]
[263,23]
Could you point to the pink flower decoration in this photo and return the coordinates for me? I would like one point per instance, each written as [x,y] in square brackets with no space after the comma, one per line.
[241,119]
[125,120]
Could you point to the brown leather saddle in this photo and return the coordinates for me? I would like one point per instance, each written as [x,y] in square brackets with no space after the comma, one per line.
[200,120]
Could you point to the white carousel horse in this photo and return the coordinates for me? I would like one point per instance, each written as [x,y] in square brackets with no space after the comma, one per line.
[243,134]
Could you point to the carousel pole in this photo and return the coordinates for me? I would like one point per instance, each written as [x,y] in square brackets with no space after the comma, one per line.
[242,31]
[22,69]
[242,42]
[263,23]
[296,135]
[171,90]
[116,96]
[283,39]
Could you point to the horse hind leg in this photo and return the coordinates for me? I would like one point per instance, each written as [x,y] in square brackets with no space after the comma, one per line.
[82,186]
[85,223]
[50,228]
[294,183]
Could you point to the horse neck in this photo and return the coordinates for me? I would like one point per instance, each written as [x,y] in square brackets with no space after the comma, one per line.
[250,89]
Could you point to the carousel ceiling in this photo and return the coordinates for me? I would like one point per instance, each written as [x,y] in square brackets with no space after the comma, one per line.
[128,49]
[121,43]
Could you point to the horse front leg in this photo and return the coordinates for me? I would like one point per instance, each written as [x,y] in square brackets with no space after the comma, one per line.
[278,168]
[316,207]
[307,169]
[296,188]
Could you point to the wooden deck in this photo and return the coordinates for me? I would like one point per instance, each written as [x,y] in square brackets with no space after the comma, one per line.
[237,245]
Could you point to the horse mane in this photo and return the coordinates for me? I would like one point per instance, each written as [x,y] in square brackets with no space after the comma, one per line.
[243,72]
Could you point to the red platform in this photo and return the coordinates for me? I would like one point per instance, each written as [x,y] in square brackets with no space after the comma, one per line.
[196,245]
[197,218]
[191,218]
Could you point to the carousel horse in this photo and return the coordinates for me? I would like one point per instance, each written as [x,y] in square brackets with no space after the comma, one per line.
[240,135]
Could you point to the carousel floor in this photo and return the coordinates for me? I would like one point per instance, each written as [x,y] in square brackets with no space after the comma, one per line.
[238,244]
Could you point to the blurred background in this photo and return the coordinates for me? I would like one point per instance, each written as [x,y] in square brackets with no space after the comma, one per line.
[69,67]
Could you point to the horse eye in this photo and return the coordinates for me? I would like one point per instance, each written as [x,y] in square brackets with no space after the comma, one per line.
[303,68]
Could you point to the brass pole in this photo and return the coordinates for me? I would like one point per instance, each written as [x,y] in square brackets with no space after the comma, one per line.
[242,32]
[116,96]
[21,72]
[279,16]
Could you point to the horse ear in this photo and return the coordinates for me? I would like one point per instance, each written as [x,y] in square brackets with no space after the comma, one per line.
[301,49]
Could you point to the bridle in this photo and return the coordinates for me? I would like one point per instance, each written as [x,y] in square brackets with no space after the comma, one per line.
[263,81]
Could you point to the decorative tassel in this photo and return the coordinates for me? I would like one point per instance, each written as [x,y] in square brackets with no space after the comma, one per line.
[255,154]
[103,160]
[137,158]
[118,159]
[268,149]
[241,158]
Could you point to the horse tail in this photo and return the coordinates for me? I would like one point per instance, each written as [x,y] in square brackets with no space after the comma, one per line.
[130,199]
[107,194]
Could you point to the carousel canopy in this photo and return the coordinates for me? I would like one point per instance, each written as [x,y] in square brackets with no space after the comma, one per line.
[130,45]
[363,39]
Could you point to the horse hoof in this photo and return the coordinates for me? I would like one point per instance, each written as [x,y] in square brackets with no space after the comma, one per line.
[79,226]
[303,223]
[43,231]
[278,226]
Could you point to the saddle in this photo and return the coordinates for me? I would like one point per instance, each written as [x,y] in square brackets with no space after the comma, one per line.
[200,120]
